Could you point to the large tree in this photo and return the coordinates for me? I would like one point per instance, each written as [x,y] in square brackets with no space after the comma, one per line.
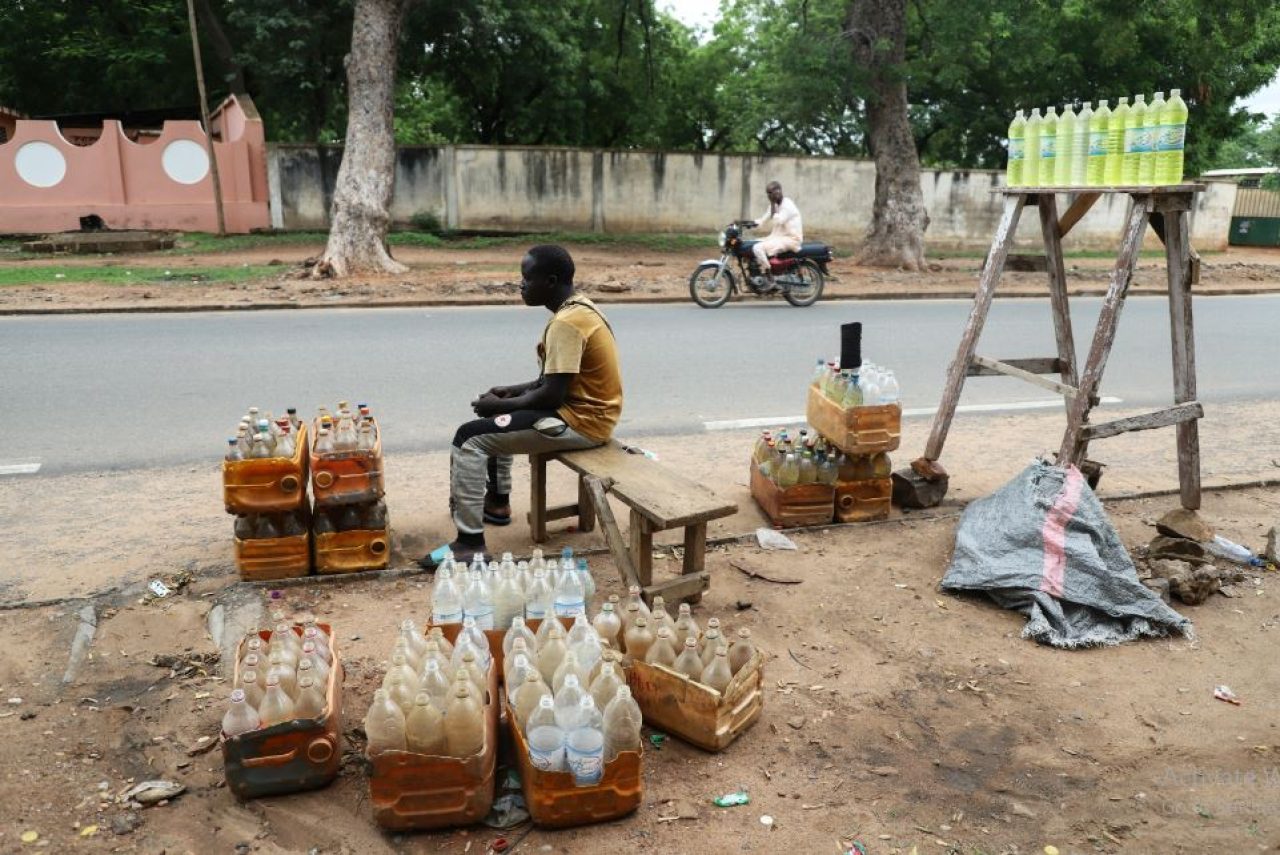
[877,33]
[362,196]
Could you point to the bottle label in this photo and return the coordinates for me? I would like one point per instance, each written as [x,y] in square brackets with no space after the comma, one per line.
[438,618]
[484,619]
[1131,140]
[1097,143]
[1017,149]
[534,610]
[570,608]
[1171,138]
[1048,147]
[584,750]
[1142,141]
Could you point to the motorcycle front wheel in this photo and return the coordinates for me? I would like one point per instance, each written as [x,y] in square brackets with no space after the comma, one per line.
[710,286]
[806,284]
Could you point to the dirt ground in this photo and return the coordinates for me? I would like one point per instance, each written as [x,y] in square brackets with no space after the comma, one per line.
[606,272]
[895,715]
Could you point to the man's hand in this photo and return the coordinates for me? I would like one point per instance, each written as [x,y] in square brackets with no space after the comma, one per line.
[502,392]
[488,405]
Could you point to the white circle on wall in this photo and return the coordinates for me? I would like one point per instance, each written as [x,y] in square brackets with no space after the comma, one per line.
[40,164]
[185,161]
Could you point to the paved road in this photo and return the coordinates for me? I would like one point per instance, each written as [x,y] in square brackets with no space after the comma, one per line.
[122,391]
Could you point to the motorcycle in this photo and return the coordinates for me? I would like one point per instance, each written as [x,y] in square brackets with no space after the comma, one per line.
[797,276]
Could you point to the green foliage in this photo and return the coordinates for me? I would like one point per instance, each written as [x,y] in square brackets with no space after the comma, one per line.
[774,76]
[427,222]
[1257,144]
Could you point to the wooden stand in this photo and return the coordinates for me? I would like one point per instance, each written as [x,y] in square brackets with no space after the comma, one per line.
[1166,209]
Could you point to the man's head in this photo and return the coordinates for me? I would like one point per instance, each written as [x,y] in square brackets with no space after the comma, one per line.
[546,272]
[774,191]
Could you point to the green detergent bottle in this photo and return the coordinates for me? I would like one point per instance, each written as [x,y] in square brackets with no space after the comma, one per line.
[1048,148]
[1080,147]
[1173,137]
[1062,153]
[1017,150]
[1114,173]
[1097,169]
[1147,143]
[1133,126]
[1031,147]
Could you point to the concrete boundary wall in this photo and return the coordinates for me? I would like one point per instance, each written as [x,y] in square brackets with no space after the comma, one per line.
[529,189]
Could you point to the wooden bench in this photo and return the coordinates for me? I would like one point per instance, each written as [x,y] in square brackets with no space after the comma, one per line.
[659,499]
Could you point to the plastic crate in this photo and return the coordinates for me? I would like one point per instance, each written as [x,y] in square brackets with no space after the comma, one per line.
[698,714]
[416,791]
[267,486]
[857,430]
[347,477]
[292,756]
[555,801]
[803,504]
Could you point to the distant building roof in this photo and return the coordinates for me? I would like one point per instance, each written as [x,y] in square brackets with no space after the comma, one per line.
[132,118]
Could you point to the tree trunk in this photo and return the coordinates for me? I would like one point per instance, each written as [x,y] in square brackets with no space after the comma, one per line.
[877,31]
[362,196]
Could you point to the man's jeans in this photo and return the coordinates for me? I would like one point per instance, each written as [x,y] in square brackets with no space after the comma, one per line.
[481,459]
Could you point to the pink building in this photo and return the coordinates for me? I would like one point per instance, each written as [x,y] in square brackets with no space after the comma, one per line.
[137,178]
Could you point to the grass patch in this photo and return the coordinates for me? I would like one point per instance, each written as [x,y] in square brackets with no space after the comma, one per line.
[119,275]
[204,242]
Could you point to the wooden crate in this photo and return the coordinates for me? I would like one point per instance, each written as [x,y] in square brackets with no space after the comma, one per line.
[857,430]
[860,501]
[412,791]
[347,477]
[673,703]
[267,486]
[803,504]
[555,801]
[292,756]
[353,551]
[274,558]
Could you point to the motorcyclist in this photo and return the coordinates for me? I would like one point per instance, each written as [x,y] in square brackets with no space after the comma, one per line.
[786,235]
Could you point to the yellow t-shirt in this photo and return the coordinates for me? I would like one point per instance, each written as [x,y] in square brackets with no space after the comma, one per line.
[577,341]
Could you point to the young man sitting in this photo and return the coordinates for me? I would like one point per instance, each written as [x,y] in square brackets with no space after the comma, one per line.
[575,403]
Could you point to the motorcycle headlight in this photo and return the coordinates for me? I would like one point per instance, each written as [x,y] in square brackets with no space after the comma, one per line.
[722,239]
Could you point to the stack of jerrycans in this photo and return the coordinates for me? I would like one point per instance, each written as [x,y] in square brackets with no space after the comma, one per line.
[270,495]
[292,756]
[865,434]
[349,523]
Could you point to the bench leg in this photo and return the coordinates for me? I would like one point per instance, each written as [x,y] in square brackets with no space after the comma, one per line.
[641,549]
[538,497]
[586,510]
[695,553]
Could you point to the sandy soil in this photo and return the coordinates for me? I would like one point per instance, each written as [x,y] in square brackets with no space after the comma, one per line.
[895,715]
[611,273]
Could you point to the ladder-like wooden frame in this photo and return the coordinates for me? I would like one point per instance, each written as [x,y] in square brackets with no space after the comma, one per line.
[1167,210]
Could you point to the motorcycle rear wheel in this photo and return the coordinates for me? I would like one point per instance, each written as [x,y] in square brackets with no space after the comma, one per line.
[710,286]
[806,284]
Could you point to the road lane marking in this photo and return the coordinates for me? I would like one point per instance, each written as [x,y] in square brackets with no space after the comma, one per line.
[783,421]
[29,466]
